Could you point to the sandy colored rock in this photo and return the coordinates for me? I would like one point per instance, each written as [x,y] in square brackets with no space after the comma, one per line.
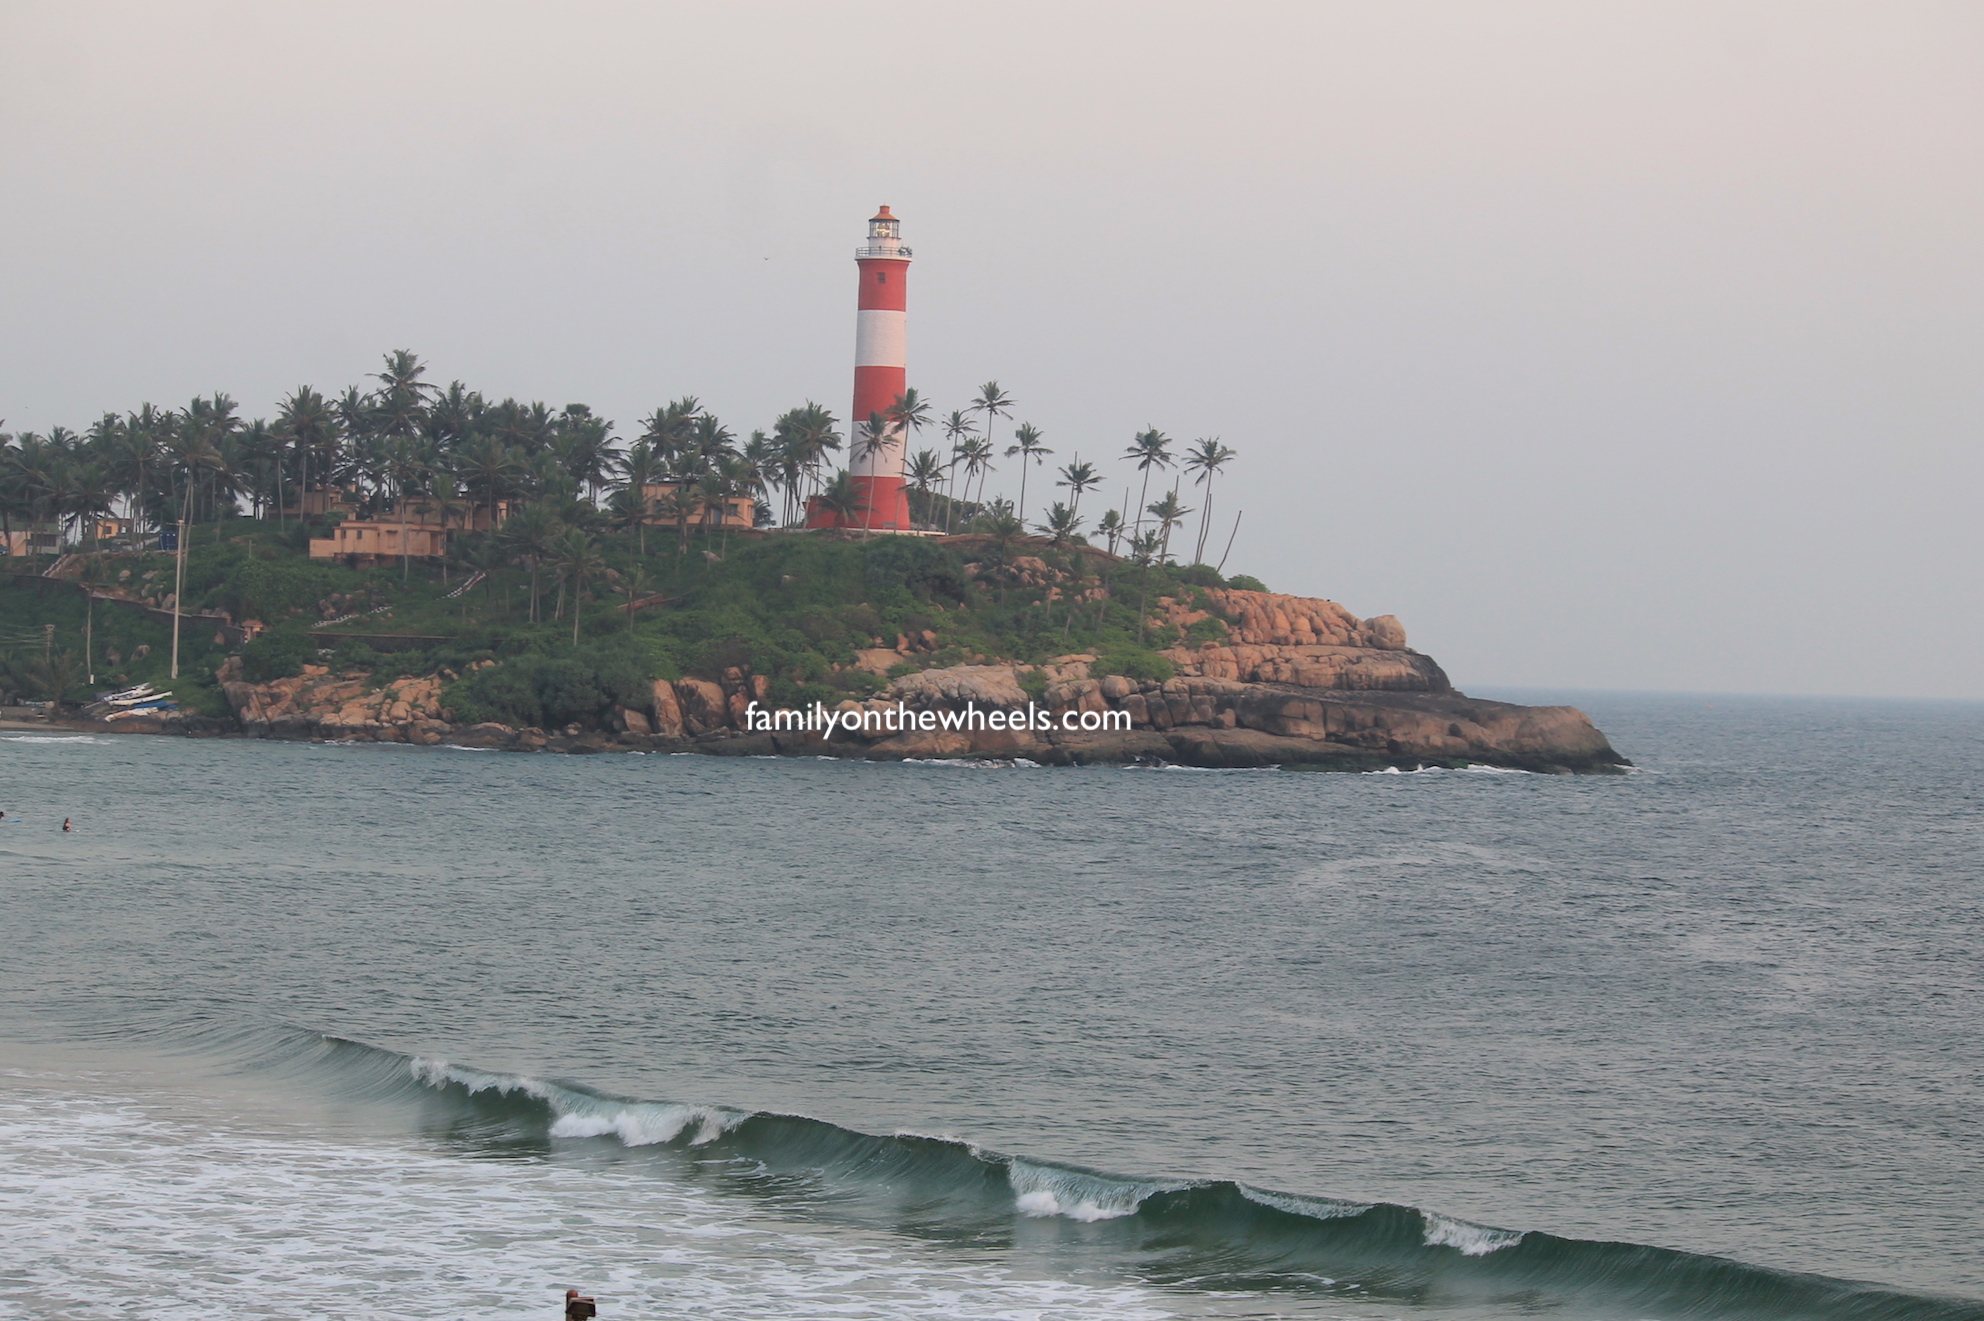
[704,706]
[665,711]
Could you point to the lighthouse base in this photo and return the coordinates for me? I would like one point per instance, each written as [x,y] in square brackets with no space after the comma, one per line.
[882,505]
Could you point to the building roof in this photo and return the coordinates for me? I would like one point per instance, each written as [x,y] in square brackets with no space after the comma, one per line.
[883,214]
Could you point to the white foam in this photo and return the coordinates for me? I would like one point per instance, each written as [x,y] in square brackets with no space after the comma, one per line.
[177,1209]
[1316,1208]
[51,738]
[1050,1190]
[1471,1239]
[578,1115]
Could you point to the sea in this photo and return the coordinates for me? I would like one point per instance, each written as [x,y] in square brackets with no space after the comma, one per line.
[293,1030]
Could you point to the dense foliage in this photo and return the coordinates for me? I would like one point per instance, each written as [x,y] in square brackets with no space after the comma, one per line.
[592,586]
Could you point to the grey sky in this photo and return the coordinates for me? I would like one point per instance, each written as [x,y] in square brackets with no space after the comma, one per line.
[1608,345]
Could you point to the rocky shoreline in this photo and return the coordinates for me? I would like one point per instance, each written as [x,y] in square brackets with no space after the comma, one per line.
[1293,681]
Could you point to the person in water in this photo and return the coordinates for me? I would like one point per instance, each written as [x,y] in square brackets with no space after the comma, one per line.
[66,827]
[578,1308]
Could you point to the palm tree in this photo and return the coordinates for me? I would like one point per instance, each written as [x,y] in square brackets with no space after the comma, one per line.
[138,451]
[531,536]
[404,464]
[1079,478]
[840,497]
[957,429]
[1063,525]
[400,406]
[1110,525]
[1150,449]
[1029,447]
[308,425]
[873,437]
[925,470]
[1206,457]
[635,584]
[675,505]
[910,412]
[1143,552]
[86,498]
[93,576]
[641,467]
[992,403]
[977,455]
[484,555]
[487,464]
[1169,514]
[585,445]
[578,562]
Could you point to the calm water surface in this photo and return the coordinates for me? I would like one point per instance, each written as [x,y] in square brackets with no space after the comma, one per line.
[1201,1043]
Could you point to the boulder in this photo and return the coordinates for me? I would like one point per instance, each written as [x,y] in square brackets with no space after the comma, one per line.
[665,710]
[704,707]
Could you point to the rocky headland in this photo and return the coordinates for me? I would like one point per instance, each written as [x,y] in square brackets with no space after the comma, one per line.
[1294,681]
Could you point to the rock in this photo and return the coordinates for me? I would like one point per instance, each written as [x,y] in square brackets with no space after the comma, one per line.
[628,721]
[703,705]
[877,660]
[665,712]
[1385,632]
[986,685]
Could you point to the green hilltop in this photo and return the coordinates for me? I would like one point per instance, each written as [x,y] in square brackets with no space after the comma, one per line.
[612,563]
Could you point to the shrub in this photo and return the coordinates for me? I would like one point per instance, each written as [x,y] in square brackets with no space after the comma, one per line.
[277,654]
[550,691]
[1209,629]
[1133,663]
[1246,582]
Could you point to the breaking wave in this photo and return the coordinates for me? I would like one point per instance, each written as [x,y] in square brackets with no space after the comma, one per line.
[1193,1234]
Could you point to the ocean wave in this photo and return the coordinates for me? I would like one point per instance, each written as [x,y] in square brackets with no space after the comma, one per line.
[1476,769]
[1174,1233]
[51,738]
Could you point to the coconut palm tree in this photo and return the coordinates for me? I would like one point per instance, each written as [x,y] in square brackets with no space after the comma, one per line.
[925,470]
[1144,547]
[578,562]
[404,465]
[1169,514]
[1028,448]
[871,438]
[675,505]
[991,404]
[1206,457]
[957,430]
[1079,478]
[840,497]
[531,537]
[136,457]
[1063,525]
[977,455]
[1150,449]
[1110,525]
[486,464]
[910,413]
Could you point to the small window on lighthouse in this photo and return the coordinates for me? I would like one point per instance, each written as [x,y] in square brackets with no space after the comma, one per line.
[881,277]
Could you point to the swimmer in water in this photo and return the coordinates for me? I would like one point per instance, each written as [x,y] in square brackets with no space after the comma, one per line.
[66,827]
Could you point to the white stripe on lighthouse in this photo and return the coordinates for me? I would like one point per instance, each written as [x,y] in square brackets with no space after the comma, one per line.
[881,339]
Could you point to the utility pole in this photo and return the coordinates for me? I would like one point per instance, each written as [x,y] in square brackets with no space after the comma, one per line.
[178,591]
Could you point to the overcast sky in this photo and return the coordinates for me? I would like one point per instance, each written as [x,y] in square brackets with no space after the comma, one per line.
[1621,345]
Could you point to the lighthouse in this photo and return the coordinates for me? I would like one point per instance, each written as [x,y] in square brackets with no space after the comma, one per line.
[881,375]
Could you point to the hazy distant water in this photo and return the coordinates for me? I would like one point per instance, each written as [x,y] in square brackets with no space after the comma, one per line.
[1728,1005]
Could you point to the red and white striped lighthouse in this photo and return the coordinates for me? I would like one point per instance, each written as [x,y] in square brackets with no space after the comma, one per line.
[881,375]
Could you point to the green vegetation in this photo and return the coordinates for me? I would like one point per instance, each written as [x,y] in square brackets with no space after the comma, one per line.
[612,565]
